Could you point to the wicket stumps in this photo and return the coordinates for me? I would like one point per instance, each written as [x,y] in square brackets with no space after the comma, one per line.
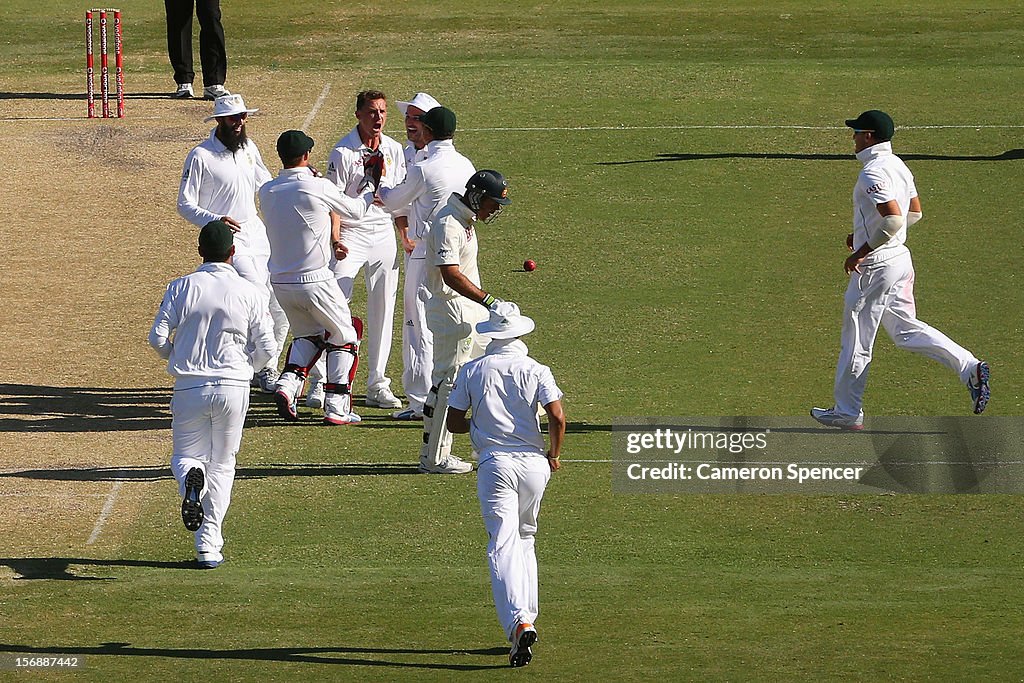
[90,88]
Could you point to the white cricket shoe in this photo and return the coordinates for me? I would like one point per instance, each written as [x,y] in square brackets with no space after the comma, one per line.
[315,395]
[407,415]
[450,465]
[382,398]
[521,654]
[266,379]
[830,418]
[287,387]
[978,386]
[338,410]
[183,92]
[332,417]
[212,92]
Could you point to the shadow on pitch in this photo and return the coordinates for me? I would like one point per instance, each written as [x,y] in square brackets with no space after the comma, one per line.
[79,96]
[34,408]
[307,655]
[1009,155]
[150,473]
[59,568]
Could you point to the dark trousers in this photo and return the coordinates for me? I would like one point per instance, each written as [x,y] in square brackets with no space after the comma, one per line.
[212,53]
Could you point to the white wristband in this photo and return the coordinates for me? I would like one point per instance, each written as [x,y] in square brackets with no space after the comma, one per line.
[913,217]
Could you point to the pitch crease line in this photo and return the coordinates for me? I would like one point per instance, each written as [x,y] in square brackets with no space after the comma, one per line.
[717,127]
[316,107]
[108,507]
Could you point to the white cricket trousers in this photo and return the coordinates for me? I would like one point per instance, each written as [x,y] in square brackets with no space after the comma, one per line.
[452,323]
[253,267]
[883,295]
[417,341]
[206,429]
[377,254]
[510,488]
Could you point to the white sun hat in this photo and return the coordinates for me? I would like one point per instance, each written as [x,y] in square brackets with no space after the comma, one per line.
[506,327]
[229,105]
[421,100]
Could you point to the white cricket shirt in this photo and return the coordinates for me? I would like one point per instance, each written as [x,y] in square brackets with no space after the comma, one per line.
[451,241]
[216,183]
[218,322]
[884,178]
[428,184]
[296,207]
[345,169]
[504,387]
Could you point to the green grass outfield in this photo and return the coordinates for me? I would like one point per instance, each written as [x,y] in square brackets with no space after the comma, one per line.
[690,249]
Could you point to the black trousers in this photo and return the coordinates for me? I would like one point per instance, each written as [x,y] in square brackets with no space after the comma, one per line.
[212,53]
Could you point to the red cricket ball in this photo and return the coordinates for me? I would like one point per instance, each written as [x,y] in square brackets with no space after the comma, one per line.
[529,265]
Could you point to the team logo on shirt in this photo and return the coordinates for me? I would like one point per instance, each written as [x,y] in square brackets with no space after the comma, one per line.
[444,252]
[877,187]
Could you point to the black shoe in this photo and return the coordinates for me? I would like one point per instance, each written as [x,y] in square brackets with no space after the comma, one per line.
[192,506]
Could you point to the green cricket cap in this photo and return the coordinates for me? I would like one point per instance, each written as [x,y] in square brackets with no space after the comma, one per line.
[293,144]
[215,239]
[440,121]
[878,122]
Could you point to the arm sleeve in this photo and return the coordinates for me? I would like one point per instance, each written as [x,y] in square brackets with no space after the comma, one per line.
[261,335]
[262,173]
[443,245]
[166,321]
[400,196]
[877,186]
[547,390]
[334,164]
[348,208]
[188,193]
[459,396]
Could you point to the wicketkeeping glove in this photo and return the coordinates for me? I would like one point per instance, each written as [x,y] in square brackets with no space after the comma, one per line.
[373,169]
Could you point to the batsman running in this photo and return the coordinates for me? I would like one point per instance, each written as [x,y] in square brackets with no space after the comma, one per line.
[456,305]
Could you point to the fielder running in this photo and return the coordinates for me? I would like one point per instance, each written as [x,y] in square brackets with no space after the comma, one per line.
[370,241]
[455,305]
[881,289]
[220,332]
[303,214]
[504,389]
[219,182]
[440,171]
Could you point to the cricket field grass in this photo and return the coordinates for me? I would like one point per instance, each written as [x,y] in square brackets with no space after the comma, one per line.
[681,174]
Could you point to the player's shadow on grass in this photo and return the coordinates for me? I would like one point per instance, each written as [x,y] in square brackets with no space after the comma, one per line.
[59,568]
[305,655]
[35,408]
[1009,155]
[151,473]
[585,428]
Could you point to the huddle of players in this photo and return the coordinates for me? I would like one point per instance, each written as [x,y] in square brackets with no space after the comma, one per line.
[373,187]
[215,325]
